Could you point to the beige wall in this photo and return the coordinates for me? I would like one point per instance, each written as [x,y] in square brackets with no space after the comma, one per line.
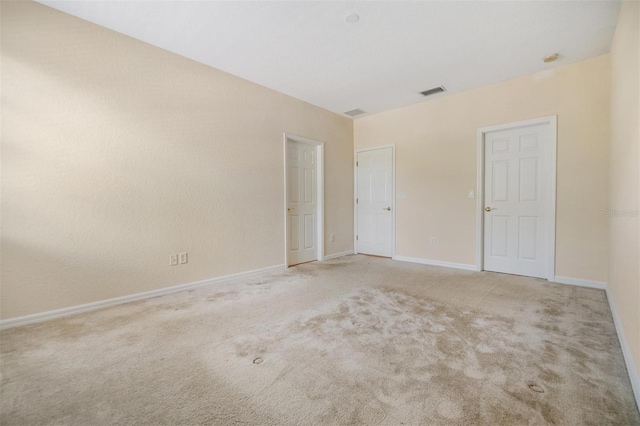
[436,163]
[116,154]
[624,270]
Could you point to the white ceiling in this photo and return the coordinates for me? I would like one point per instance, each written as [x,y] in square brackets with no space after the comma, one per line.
[397,49]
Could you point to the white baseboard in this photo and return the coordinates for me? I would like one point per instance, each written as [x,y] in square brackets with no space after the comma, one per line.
[634,377]
[336,255]
[580,282]
[72,310]
[435,263]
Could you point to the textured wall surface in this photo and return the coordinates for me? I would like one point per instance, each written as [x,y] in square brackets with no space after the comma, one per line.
[116,154]
[436,163]
[624,271]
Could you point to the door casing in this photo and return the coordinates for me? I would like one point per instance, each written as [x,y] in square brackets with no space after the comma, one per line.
[320,191]
[393,196]
[552,121]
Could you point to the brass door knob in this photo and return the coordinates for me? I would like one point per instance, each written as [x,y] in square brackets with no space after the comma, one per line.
[488,209]
[289,209]
[387,209]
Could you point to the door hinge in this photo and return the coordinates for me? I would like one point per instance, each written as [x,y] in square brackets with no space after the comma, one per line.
[356,164]
[356,238]
[356,201]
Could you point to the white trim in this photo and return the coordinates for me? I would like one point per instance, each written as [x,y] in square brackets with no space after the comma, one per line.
[355,204]
[336,255]
[480,201]
[553,123]
[580,282]
[319,190]
[430,262]
[393,195]
[632,371]
[87,307]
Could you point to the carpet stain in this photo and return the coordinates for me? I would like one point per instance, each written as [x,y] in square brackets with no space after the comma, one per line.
[353,341]
[421,350]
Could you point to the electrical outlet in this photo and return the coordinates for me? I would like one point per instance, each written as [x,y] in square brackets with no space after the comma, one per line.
[332,237]
[173,260]
[432,241]
[183,258]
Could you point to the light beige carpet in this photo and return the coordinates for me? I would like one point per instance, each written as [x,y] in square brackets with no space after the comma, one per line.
[356,340]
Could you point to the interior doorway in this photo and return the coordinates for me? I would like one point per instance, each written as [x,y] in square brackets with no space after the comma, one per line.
[375,206]
[304,200]
[517,198]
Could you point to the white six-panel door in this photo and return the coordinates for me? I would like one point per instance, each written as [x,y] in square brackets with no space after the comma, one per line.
[517,199]
[302,199]
[375,202]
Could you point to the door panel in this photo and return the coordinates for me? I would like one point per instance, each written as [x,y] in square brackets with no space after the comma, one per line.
[294,185]
[500,176]
[517,175]
[527,230]
[499,235]
[309,231]
[301,203]
[294,232]
[374,202]
[528,179]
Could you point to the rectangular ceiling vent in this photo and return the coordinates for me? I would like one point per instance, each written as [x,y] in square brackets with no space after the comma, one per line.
[355,112]
[433,91]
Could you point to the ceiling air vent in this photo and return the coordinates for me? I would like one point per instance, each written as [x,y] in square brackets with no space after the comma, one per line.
[355,112]
[433,91]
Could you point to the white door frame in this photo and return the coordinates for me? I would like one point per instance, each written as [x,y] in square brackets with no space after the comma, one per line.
[552,120]
[319,191]
[393,196]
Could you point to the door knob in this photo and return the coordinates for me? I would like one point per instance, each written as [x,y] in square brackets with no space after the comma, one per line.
[488,209]
[289,209]
[387,209]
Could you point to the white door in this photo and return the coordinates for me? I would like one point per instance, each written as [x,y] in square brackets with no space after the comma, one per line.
[517,197]
[374,201]
[301,202]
